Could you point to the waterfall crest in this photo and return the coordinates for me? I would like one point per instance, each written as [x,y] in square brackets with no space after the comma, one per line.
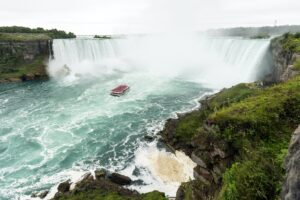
[216,61]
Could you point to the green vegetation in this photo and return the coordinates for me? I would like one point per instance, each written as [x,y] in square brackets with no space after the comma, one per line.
[155,195]
[189,123]
[297,65]
[52,33]
[21,37]
[291,42]
[37,67]
[257,124]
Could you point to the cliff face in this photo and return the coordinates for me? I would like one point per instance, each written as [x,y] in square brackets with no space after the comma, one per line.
[23,60]
[283,68]
[291,187]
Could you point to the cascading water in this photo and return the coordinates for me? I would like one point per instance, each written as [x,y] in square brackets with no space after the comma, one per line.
[59,129]
[215,61]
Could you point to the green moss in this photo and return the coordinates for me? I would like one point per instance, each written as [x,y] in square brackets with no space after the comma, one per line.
[23,37]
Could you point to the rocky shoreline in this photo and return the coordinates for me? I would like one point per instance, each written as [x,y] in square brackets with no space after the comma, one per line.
[101,184]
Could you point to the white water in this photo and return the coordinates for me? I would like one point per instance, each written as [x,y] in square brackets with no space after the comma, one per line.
[56,130]
[217,62]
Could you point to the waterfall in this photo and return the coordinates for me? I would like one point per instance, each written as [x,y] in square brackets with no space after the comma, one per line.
[217,61]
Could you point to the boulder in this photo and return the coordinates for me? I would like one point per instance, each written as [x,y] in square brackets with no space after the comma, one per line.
[64,187]
[198,160]
[203,174]
[43,194]
[119,179]
[149,138]
[100,173]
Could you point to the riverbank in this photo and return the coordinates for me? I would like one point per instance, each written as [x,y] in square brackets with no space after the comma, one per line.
[240,136]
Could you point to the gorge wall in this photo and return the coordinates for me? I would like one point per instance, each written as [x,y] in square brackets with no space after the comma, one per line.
[283,59]
[23,60]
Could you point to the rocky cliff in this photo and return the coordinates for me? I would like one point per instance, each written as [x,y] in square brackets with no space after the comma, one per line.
[23,60]
[283,58]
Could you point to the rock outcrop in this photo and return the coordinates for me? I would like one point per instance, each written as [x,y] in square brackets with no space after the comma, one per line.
[211,155]
[105,185]
[283,62]
[23,61]
[291,187]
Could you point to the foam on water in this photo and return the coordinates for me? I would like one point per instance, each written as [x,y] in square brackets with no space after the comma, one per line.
[60,129]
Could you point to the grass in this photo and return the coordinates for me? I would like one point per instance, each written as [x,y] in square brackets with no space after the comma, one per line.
[189,124]
[23,37]
[262,114]
[257,124]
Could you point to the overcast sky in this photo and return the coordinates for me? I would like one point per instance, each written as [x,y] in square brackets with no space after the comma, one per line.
[138,16]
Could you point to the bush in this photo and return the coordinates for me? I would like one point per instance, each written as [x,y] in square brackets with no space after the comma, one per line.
[247,180]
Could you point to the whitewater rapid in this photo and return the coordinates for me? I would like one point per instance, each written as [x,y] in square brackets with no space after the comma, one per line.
[60,129]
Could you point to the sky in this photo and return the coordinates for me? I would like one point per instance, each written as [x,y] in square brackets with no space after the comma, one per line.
[87,17]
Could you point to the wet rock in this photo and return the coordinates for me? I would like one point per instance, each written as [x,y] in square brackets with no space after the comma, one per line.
[43,194]
[218,152]
[119,179]
[149,138]
[100,173]
[180,193]
[198,160]
[87,176]
[14,79]
[289,73]
[205,157]
[202,174]
[34,195]
[64,187]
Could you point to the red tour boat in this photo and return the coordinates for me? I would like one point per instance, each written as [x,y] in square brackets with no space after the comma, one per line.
[120,90]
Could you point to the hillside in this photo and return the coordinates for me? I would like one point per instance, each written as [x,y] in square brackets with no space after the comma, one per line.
[240,136]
